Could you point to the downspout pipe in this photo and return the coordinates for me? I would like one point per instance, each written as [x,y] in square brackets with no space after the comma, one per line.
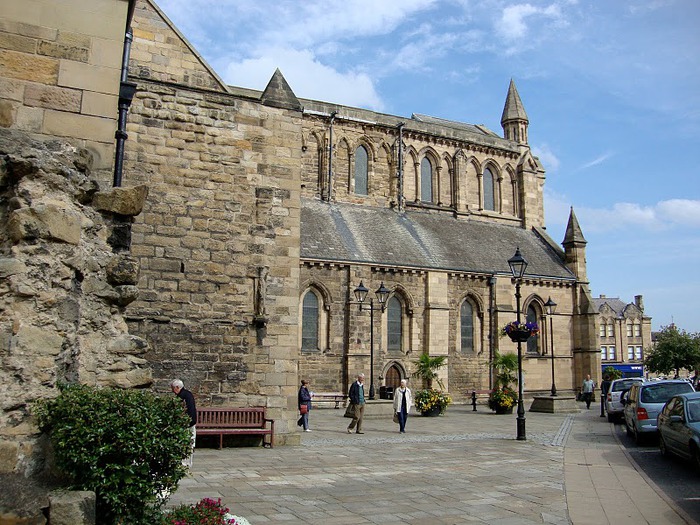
[126,95]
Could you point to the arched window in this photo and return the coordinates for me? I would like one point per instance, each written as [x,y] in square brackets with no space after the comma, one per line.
[394,325]
[466,321]
[426,180]
[309,322]
[489,185]
[361,171]
[533,342]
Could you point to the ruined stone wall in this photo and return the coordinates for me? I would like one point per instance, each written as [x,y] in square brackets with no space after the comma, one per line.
[63,287]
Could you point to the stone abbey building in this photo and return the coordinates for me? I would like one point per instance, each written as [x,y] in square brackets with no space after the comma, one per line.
[264,212]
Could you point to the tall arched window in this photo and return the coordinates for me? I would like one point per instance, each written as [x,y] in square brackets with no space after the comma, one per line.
[533,342]
[466,321]
[361,171]
[309,322]
[394,325]
[489,186]
[426,180]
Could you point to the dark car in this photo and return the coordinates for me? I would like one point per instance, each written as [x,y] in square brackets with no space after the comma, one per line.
[679,427]
[645,400]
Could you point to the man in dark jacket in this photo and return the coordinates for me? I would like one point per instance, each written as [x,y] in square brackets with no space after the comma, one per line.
[178,388]
[357,403]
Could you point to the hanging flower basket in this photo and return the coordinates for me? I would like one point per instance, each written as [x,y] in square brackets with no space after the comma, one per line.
[520,332]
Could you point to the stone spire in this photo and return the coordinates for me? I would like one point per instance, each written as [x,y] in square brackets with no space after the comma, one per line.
[575,248]
[278,94]
[514,119]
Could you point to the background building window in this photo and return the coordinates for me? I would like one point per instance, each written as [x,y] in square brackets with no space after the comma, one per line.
[466,319]
[637,330]
[638,353]
[394,325]
[361,171]
[601,330]
[489,185]
[611,330]
[611,353]
[629,330]
[604,353]
[426,180]
[534,342]
[630,353]
[309,322]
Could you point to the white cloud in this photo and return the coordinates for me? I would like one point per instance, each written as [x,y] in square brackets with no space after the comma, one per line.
[547,157]
[307,77]
[598,160]
[513,22]
[626,216]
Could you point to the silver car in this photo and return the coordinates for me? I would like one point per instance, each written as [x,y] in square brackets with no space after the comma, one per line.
[679,427]
[645,400]
[613,406]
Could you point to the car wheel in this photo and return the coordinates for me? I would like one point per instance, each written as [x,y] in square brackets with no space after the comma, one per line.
[662,446]
[695,452]
[638,437]
[611,419]
[628,430]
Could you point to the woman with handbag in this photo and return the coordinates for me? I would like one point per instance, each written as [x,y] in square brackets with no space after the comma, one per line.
[304,401]
[403,399]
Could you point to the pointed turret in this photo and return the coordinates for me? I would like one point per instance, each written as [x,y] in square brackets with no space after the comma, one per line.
[575,248]
[278,94]
[514,119]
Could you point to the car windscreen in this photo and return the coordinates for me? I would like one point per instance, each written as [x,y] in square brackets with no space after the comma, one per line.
[663,392]
[694,410]
[625,384]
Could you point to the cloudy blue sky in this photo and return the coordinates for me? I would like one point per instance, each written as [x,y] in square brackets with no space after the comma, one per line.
[611,88]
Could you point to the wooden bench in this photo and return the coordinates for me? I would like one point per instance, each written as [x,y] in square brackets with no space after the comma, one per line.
[475,395]
[235,421]
[330,397]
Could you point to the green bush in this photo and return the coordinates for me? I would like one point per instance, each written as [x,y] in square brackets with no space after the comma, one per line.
[126,445]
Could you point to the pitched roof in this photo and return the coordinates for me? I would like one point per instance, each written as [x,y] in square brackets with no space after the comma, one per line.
[513,109]
[278,94]
[339,232]
[573,230]
[615,303]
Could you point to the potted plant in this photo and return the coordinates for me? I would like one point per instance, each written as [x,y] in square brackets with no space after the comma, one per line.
[518,331]
[430,402]
[503,397]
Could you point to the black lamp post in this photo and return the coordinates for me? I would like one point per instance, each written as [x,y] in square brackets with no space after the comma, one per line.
[382,294]
[517,265]
[551,306]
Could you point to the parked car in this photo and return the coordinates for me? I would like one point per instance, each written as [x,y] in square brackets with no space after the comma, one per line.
[645,400]
[613,406]
[679,427]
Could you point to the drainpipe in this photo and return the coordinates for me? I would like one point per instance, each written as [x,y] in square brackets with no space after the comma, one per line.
[330,158]
[126,95]
[492,331]
[400,170]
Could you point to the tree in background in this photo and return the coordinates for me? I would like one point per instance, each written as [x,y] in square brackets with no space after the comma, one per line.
[674,350]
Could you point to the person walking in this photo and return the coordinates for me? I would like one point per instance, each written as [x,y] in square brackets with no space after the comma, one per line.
[304,401]
[357,404]
[587,390]
[178,388]
[604,389]
[403,399]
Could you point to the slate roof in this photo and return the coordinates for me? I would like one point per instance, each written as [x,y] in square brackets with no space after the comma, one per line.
[352,233]
[615,303]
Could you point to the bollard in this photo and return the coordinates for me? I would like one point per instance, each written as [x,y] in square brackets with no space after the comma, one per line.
[473,400]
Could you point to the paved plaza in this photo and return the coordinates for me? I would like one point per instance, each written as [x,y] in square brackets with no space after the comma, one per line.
[462,467]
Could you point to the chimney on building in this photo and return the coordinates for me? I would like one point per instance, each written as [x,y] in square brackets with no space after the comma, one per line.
[639,301]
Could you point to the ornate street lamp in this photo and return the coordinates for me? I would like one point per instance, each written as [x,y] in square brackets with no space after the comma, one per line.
[382,294]
[551,306]
[518,264]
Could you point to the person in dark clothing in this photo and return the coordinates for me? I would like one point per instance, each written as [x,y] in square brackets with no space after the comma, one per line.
[357,404]
[604,387]
[304,402]
[178,388]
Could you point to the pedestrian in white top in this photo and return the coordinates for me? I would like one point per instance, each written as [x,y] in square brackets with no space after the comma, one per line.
[403,399]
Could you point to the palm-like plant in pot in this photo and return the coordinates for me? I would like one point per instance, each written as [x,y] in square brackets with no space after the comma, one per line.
[503,397]
[430,401]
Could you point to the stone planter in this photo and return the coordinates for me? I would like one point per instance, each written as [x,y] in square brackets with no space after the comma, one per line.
[433,412]
[504,410]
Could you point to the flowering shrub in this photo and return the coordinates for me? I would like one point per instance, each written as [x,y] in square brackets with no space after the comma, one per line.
[503,397]
[428,399]
[520,327]
[206,512]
